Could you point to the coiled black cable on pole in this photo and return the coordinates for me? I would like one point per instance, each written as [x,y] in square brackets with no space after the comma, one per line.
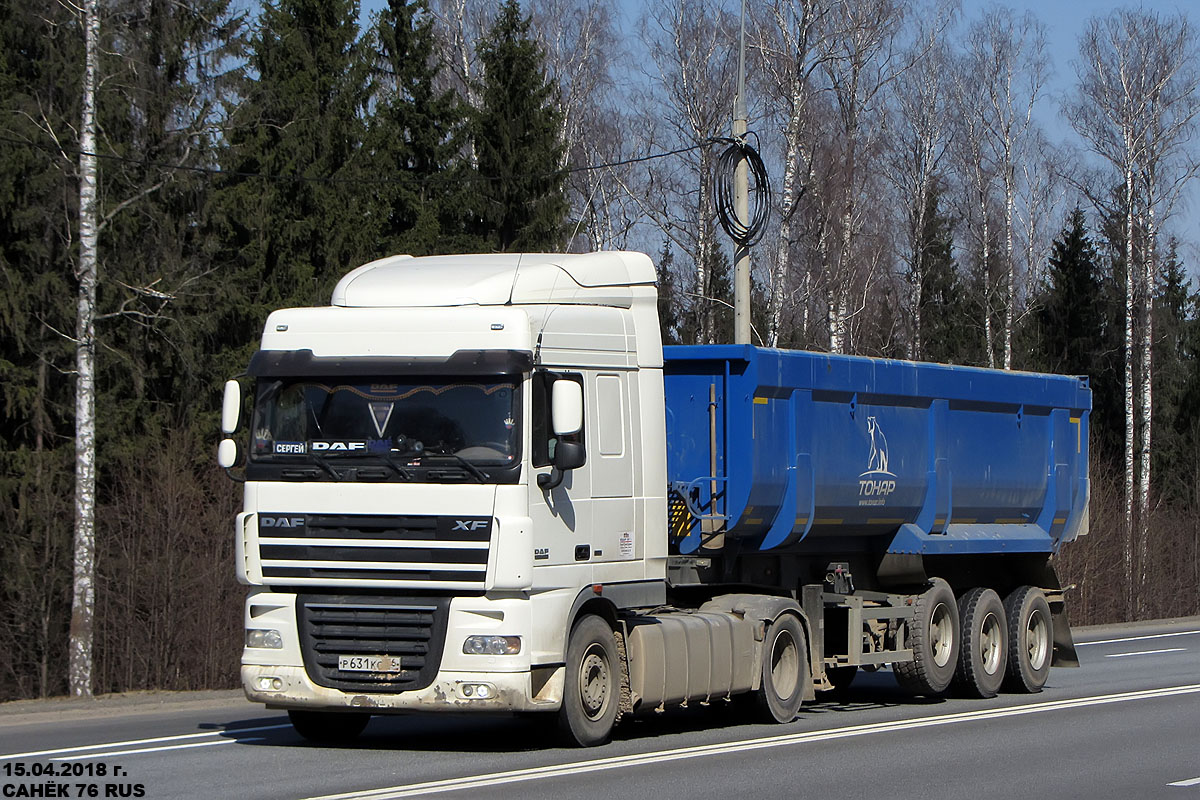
[743,234]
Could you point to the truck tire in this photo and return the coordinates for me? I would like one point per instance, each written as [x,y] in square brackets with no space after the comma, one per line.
[328,727]
[984,652]
[1030,640]
[592,693]
[934,639]
[784,671]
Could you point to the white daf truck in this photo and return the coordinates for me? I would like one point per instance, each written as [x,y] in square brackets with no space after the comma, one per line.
[458,497]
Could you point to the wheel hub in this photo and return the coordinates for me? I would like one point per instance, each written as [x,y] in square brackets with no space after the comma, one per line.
[1037,637]
[593,682]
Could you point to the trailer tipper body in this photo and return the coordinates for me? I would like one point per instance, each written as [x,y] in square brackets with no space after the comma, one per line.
[480,483]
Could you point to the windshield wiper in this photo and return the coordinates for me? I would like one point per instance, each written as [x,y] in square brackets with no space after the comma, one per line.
[391,462]
[325,465]
[475,471]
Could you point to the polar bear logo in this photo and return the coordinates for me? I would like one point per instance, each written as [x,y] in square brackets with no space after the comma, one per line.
[878,461]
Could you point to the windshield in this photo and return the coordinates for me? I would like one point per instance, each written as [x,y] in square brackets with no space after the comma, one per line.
[468,421]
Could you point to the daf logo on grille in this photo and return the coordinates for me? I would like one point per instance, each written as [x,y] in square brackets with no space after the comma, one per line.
[281,522]
[470,524]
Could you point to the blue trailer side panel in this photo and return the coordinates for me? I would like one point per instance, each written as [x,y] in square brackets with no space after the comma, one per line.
[925,458]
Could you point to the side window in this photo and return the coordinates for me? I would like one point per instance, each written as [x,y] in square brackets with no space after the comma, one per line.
[544,440]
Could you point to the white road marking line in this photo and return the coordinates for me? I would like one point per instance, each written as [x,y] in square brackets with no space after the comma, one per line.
[122,753]
[619,762]
[1188,782]
[129,742]
[1138,638]
[1148,652]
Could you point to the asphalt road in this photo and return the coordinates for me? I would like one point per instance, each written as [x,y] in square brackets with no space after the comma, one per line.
[1126,725]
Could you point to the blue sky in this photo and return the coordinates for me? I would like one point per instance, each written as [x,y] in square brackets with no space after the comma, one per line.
[1064,20]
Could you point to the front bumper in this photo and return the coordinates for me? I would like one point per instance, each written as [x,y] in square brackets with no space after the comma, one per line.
[507,691]
[279,677]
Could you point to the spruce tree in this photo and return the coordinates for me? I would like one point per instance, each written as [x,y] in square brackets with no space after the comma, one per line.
[1070,313]
[522,203]
[295,212]
[415,134]
[946,334]
[1175,374]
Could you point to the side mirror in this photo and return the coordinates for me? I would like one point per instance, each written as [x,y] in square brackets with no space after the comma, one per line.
[231,407]
[227,453]
[569,455]
[566,407]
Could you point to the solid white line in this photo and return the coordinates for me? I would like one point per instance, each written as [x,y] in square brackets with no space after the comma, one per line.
[121,753]
[1138,638]
[620,762]
[1147,652]
[1189,782]
[128,742]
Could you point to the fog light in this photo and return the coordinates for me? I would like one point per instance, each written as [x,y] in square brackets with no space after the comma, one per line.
[268,684]
[492,645]
[271,640]
[477,691]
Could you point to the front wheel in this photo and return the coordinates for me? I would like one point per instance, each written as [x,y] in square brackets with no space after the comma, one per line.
[591,696]
[328,727]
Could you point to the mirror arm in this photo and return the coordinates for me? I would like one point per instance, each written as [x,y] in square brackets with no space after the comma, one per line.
[550,480]
[235,478]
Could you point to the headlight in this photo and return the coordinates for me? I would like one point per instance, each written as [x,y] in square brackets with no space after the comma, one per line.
[271,640]
[492,645]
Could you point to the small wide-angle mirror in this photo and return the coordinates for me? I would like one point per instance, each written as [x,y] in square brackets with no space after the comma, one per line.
[227,453]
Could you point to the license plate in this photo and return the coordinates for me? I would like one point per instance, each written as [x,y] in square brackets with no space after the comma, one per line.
[368,664]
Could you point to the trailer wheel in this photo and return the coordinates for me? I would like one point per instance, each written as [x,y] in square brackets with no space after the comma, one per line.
[784,670]
[591,696]
[984,652]
[933,637]
[328,727]
[1030,640]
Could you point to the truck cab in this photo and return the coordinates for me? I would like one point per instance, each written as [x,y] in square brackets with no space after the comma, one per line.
[442,474]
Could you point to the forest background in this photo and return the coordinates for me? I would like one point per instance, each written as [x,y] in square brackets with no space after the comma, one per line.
[247,155]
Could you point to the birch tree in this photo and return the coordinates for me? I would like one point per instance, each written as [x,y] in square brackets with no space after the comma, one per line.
[918,122]
[1136,107]
[581,46]
[859,61]
[1008,55]
[83,593]
[976,168]
[788,43]
[689,42]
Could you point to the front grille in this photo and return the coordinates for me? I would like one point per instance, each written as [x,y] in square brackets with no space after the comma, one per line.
[410,629]
[406,552]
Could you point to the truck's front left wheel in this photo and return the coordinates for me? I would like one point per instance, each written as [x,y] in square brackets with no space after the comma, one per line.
[328,727]
[591,696]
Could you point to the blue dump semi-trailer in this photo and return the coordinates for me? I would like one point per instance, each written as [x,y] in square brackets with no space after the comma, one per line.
[480,483]
[867,486]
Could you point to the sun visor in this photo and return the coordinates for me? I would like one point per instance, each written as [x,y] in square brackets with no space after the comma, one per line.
[303,364]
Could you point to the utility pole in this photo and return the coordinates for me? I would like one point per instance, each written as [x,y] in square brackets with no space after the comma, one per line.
[741,204]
